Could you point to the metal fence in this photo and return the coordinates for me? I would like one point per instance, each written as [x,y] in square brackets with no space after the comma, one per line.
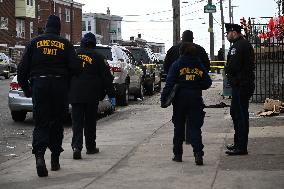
[269,62]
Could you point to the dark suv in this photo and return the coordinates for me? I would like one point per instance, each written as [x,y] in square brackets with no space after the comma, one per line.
[148,62]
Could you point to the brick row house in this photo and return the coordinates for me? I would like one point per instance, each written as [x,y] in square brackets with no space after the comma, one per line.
[21,20]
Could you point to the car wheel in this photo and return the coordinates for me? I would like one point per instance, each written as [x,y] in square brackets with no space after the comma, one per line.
[18,116]
[124,98]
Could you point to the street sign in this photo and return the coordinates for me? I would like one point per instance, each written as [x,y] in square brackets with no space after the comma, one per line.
[209,8]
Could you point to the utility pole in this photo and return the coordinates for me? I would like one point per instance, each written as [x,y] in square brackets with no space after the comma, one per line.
[176,21]
[230,11]
[211,33]
[222,24]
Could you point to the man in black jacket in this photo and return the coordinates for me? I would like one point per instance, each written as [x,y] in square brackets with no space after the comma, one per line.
[173,54]
[240,73]
[85,93]
[43,73]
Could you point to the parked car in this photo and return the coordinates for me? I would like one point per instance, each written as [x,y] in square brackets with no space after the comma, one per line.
[20,105]
[6,66]
[161,58]
[127,76]
[148,62]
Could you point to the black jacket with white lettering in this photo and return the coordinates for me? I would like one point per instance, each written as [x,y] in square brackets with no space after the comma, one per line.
[47,54]
[94,82]
[240,66]
[189,73]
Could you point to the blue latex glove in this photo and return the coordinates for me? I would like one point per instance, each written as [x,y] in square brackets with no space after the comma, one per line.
[112,101]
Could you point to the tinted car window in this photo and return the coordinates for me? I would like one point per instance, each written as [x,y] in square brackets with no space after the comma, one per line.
[105,51]
[140,54]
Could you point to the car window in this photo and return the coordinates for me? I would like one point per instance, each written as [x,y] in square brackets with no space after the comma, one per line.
[120,54]
[105,51]
[140,55]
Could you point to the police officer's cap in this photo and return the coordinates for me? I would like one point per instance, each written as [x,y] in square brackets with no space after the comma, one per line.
[233,27]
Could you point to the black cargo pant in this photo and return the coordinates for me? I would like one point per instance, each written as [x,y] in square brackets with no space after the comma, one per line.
[49,96]
[84,117]
[188,107]
[240,115]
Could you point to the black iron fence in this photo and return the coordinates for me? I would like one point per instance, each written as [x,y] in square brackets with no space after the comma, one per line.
[269,62]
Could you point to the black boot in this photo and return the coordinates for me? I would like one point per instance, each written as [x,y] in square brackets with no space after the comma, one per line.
[177,158]
[77,153]
[198,158]
[55,166]
[40,165]
[93,150]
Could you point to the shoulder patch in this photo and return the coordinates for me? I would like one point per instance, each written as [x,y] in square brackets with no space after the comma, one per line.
[233,51]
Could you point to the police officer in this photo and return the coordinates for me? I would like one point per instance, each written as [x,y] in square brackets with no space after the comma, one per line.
[173,54]
[43,74]
[86,90]
[192,77]
[240,73]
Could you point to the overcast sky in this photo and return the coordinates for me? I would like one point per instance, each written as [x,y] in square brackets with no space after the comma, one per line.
[153,18]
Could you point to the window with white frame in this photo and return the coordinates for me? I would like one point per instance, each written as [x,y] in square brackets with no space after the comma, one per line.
[83,25]
[67,36]
[59,12]
[31,29]
[3,23]
[67,14]
[30,2]
[89,26]
[20,28]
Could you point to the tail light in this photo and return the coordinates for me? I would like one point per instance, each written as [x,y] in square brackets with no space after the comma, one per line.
[116,69]
[14,86]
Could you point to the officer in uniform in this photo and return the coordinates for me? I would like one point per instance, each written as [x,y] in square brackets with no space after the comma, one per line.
[192,77]
[173,54]
[43,73]
[240,73]
[86,90]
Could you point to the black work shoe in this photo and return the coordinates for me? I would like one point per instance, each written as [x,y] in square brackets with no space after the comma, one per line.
[93,151]
[55,165]
[77,154]
[198,158]
[177,158]
[230,147]
[40,165]
[236,152]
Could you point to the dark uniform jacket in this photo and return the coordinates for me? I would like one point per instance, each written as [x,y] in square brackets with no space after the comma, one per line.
[173,55]
[240,66]
[95,80]
[47,55]
[190,74]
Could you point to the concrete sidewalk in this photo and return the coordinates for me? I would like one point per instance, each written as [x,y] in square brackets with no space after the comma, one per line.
[136,152]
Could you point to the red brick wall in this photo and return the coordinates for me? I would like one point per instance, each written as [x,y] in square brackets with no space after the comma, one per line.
[47,8]
[7,9]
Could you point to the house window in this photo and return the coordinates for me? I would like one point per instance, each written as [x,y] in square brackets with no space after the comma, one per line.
[89,26]
[30,2]
[67,36]
[83,26]
[3,23]
[59,12]
[20,28]
[31,29]
[67,13]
